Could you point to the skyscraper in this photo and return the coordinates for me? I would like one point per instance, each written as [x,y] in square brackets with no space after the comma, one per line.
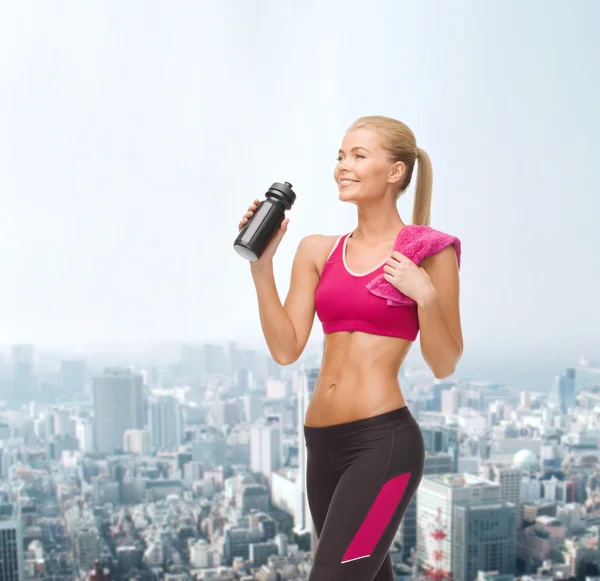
[566,390]
[435,463]
[304,382]
[165,423]
[507,477]
[484,539]
[266,445]
[12,567]
[441,438]
[118,406]
[23,373]
[479,527]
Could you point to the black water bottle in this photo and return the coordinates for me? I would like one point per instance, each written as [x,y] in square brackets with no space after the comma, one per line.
[256,234]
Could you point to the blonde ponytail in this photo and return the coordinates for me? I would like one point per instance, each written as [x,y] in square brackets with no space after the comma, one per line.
[422,204]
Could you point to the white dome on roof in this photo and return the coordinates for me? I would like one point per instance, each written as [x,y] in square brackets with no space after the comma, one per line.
[526,460]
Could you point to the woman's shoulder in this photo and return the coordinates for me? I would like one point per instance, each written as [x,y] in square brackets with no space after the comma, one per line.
[319,247]
[418,231]
[419,242]
[316,243]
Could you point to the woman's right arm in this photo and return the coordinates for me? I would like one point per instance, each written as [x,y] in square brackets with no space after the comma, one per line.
[287,327]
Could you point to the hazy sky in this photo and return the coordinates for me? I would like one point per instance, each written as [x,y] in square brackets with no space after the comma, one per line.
[134,134]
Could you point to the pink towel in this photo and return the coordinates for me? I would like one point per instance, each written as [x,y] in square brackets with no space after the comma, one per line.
[417,243]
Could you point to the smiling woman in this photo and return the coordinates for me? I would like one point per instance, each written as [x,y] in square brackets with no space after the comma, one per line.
[374,290]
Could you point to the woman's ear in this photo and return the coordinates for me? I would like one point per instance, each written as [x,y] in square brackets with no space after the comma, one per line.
[397,172]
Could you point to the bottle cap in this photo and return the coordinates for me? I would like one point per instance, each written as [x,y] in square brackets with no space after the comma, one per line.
[286,192]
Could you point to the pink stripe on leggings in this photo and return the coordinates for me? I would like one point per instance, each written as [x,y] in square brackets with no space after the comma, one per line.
[377,519]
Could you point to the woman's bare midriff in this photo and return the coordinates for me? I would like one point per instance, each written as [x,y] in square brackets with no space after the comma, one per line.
[358,378]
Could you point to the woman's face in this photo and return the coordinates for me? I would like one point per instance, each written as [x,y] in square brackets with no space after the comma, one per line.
[364,170]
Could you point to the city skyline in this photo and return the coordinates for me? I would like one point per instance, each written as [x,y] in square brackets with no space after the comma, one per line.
[524,372]
[129,153]
[223,462]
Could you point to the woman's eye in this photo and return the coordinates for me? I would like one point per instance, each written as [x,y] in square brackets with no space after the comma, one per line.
[339,158]
[359,155]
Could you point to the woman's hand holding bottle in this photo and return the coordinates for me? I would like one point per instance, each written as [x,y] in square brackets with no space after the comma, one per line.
[267,256]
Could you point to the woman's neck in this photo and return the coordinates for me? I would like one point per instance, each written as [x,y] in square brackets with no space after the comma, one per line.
[377,223]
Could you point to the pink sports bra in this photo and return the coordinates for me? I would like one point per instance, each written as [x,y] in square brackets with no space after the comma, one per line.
[366,302]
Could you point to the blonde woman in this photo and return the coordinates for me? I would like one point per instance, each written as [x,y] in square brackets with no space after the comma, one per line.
[374,290]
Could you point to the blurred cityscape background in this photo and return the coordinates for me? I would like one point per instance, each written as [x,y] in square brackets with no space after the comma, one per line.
[188,463]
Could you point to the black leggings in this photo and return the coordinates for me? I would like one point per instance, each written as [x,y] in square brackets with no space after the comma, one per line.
[361,477]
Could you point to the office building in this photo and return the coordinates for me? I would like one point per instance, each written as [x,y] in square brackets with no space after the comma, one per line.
[507,477]
[165,423]
[23,373]
[566,391]
[435,463]
[12,567]
[118,406]
[266,454]
[304,383]
[441,438]
[436,498]
[136,442]
[484,539]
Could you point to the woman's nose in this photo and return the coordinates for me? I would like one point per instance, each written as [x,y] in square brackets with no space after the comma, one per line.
[343,165]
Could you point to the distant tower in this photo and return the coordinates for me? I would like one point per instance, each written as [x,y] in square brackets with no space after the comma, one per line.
[564,392]
[23,373]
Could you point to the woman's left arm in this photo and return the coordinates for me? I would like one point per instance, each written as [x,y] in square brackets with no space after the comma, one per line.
[439,314]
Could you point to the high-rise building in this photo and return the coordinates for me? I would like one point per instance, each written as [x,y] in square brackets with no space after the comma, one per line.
[451,400]
[266,451]
[63,422]
[165,423]
[226,413]
[209,447]
[469,511]
[253,407]
[86,541]
[118,406]
[12,566]
[136,442]
[276,389]
[84,431]
[484,539]
[243,381]
[234,357]
[304,382]
[441,438]
[507,477]
[436,498]
[566,390]
[23,373]
[435,463]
